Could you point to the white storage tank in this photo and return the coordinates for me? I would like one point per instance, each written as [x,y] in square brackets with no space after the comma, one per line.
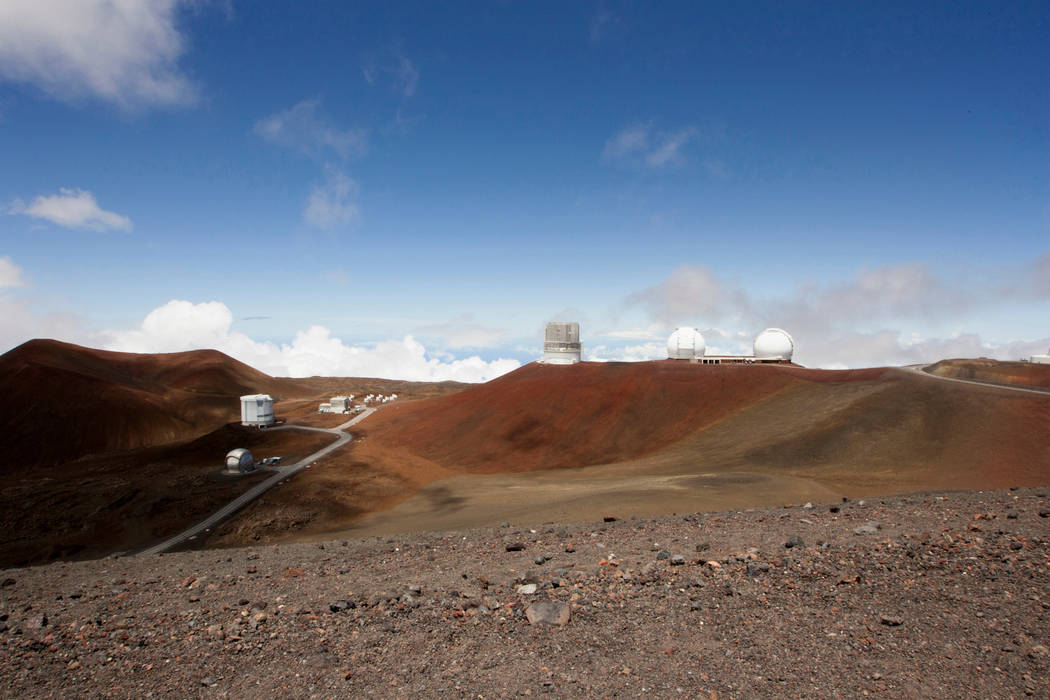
[239,461]
[561,343]
[257,410]
[686,344]
[774,345]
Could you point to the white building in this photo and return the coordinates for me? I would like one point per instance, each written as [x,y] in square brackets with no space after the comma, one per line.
[257,410]
[339,404]
[772,345]
[1041,359]
[561,343]
[686,344]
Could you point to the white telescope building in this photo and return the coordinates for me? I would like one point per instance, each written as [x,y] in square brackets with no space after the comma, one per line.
[772,345]
[257,410]
[561,343]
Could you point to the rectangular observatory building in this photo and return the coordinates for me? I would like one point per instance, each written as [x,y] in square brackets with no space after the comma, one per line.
[561,343]
[257,410]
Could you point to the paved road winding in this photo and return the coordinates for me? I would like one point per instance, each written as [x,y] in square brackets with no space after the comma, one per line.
[921,369]
[261,488]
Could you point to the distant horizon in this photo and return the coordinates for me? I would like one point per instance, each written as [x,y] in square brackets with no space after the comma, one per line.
[505,371]
[412,191]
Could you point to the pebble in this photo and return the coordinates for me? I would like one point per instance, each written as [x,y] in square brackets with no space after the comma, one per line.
[527,589]
[794,541]
[515,546]
[891,620]
[677,560]
[664,554]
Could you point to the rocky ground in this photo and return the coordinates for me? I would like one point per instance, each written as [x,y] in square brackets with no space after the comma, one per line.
[927,595]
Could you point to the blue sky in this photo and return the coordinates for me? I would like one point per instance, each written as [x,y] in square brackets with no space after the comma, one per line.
[413,189]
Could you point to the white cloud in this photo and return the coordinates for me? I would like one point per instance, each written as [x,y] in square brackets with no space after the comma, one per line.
[332,203]
[630,141]
[407,76]
[397,69]
[640,146]
[72,209]
[463,332]
[690,292]
[303,128]
[669,151]
[182,325]
[10,274]
[125,51]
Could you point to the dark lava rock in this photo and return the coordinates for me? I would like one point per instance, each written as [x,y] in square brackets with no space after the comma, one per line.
[341,605]
[794,541]
[663,555]
[754,568]
[515,546]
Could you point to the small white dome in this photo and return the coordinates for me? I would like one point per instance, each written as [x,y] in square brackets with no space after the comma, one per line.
[686,344]
[239,459]
[774,344]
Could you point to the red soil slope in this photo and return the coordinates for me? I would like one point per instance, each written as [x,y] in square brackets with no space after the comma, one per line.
[63,401]
[543,416]
[995,372]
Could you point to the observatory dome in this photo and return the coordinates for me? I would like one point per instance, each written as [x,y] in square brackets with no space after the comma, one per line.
[774,344]
[239,460]
[686,344]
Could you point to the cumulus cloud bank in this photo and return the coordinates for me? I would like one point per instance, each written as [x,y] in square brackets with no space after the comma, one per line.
[123,52]
[183,325]
[836,325]
[10,274]
[72,209]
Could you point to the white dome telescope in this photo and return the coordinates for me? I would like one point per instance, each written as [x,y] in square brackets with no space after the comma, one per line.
[686,344]
[774,344]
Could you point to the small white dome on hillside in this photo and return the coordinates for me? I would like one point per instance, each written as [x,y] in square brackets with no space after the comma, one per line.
[686,344]
[774,344]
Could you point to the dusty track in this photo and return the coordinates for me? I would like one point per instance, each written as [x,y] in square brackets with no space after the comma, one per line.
[254,492]
[759,436]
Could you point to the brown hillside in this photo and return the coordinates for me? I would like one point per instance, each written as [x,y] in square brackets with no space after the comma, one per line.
[63,401]
[545,417]
[659,437]
[995,372]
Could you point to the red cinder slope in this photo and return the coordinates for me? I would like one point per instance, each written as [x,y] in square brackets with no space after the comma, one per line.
[63,401]
[543,416]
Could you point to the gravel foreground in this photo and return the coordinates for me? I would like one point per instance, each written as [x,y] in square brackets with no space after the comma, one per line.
[924,595]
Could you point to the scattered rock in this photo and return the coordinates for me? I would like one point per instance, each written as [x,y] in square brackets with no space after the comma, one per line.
[515,546]
[891,620]
[36,621]
[755,568]
[794,541]
[539,561]
[869,528]
[677,560]
[609,519]
[527,589]
[548,612]
[341,605]
[664,554]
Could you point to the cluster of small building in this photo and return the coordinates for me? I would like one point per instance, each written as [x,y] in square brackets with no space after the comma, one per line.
[1041,359]
[562,346]
[241,461]
[344,404]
